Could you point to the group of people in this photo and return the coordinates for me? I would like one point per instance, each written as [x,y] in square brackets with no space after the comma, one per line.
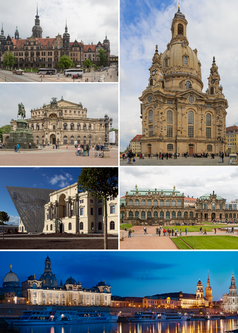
[170,232]
[83,150]
[17,148]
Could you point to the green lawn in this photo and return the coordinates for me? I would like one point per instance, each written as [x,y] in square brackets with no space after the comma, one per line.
[125,225]
[196,228]
[208,242]
[180,244]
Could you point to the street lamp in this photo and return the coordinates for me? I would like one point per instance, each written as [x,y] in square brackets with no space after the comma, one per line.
[107,122]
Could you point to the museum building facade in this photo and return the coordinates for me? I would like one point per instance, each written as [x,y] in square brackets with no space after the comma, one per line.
[177,117]
[167,206]
[63,123]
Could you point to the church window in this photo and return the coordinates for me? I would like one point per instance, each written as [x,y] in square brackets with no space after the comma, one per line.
[208,125]
[150,130]
[167,215]
[170,147]
[136,202]
[130,214]
[149,203]
[150,116]
[169,131]
[188,85]
[209,147]
[137,214]
[143,215]
[169,101]
[169,117]
[208,132]
[155,214]
[191,131]
[130,202]
[212,91]
[161,215]
[161,203]
[185,60]
[166,62]
[191,99]
[208,119]
[180,29]
[148,214]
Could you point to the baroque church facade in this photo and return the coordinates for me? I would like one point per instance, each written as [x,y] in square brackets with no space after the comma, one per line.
[177,117]
[36,51]
[63,123]
[167,207]
[230,300]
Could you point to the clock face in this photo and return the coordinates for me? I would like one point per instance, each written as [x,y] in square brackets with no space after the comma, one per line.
[153,72]
[149,99]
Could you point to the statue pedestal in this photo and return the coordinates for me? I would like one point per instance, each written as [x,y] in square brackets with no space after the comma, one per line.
[21,136]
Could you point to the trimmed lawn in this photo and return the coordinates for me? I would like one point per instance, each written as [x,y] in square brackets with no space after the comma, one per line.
[125,225]
[196,228]
[209,242]
[180,244]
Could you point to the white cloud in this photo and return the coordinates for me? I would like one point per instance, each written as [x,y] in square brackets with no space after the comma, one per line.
[14,220]
[61,180]
[210,30]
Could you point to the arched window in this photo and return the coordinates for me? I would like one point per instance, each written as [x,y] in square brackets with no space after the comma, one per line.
[191,124]
[84,127]
[167,203]
[71,126]
[43,126]
[230,215]
[65,126]
[37,127]
[167,215]
[179,215]
[143,202]
[99,225]
[206,205]
[179,203]
[161,215]
[201,206]
[208,126]
[167,62]
[212,91]
[155,214]
[188,85]
[234,215]
[169,122]
[191,214]
[149,203]
[185,214]
[170,147]
[226,215]
[148,214]
[130,202]
[78,127]
[51,227]
[136,202]
[143,215]
[155,203]
[185,60]
[161,203]
[70,226]
[130,214]
[122,214]
[173,203]
[173,215]
[150,116]
[213,205]
[136,214]
[65,140]
[180,29]
[112,225]
[221,206]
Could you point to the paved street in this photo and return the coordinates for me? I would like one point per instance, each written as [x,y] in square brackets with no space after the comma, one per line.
[179,161]
[109,74]
[55,157]
[152,241]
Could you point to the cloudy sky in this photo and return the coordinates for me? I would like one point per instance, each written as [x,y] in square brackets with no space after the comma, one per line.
[192,181]
[87,20]
[130,273]
[47,178]
[99,100]
[146,23]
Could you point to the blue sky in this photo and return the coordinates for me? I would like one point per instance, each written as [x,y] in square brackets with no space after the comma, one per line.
[130,273]
[48,178]
[147,23]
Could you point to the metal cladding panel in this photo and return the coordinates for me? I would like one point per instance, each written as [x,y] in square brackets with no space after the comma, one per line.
[29,203]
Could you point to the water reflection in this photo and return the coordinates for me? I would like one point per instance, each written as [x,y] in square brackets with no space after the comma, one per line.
[209,326]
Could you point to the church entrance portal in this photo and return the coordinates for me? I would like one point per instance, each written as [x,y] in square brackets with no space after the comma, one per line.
[53,139]
[190,149]
[149,149]
[61,228]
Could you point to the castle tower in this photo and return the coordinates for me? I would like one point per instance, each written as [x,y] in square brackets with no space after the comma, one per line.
[208,290]
[66,38]
[48,278]
[199,292]
[2,37]
[16,33]
[37,30]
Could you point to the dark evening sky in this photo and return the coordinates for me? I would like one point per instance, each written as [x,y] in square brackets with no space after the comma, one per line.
[130,273]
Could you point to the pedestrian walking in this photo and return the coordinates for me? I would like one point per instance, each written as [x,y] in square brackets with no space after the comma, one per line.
[186,231]
[159,231]
[215,230]
[18,148]
[129,233]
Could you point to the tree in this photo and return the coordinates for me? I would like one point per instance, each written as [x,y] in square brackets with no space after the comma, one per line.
[8,60]
[3,218]
[101,183]
[4,129]
[87,63]
[65,62]
[102,55]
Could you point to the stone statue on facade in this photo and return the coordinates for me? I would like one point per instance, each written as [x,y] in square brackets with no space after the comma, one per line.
[53,103]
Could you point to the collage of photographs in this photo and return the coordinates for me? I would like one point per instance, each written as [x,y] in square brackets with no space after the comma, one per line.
[118,166]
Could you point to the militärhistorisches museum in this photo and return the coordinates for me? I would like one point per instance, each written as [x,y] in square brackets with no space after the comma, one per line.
[177,117]
[62,123]
[36,51]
